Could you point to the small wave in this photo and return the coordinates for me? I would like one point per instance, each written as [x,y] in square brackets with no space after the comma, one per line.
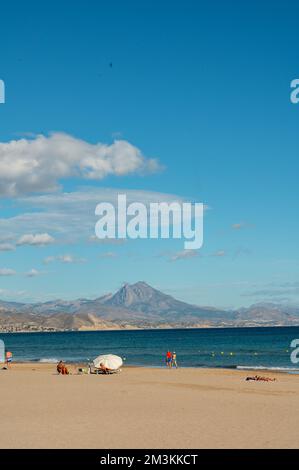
[229,366]
[50,360]
[281,369]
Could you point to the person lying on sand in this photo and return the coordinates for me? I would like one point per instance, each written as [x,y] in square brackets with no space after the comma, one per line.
[62,369]
[259,377]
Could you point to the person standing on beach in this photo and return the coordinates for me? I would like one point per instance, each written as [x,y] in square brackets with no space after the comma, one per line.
[173,360]
[8,358]
[168,359]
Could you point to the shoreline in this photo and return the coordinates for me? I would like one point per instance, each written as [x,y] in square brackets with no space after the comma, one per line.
[253,369]
[202,327]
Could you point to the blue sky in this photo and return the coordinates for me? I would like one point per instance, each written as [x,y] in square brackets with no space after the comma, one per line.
[203,88]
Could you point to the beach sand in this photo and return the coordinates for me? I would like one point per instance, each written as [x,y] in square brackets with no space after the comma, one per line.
[147,408]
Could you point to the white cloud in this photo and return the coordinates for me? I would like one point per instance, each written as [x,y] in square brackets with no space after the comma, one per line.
[70,217]
[7,272]
[38,239]
[7,247]
[66,259]
[38,164]
[49,259]
[33,273]
[109,254]
[184,254]
[11,295]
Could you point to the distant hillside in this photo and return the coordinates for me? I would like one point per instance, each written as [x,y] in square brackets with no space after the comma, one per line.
[136,306]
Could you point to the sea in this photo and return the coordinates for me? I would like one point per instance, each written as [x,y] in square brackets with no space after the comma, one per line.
[232,348]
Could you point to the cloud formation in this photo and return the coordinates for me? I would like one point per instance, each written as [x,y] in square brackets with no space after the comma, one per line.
[7,272]
[184,254]
[38,239]
[7,247]
[275,290]
[32,273]
[37,164]
[69,217]
[65,259]
[108,254]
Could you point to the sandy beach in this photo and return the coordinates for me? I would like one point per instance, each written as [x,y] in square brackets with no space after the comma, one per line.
[147,408]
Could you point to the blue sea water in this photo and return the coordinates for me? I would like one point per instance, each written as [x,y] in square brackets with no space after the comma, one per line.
[227,348]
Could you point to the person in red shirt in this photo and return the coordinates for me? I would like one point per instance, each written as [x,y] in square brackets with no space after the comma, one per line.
[168,359]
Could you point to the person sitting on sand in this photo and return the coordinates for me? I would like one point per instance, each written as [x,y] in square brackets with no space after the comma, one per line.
[260,378]
[104,369]
[62,369]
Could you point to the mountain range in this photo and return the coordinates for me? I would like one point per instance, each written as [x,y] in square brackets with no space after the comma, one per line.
[136,306]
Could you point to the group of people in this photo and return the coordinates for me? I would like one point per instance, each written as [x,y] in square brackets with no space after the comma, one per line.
[171,360]
[63,370]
